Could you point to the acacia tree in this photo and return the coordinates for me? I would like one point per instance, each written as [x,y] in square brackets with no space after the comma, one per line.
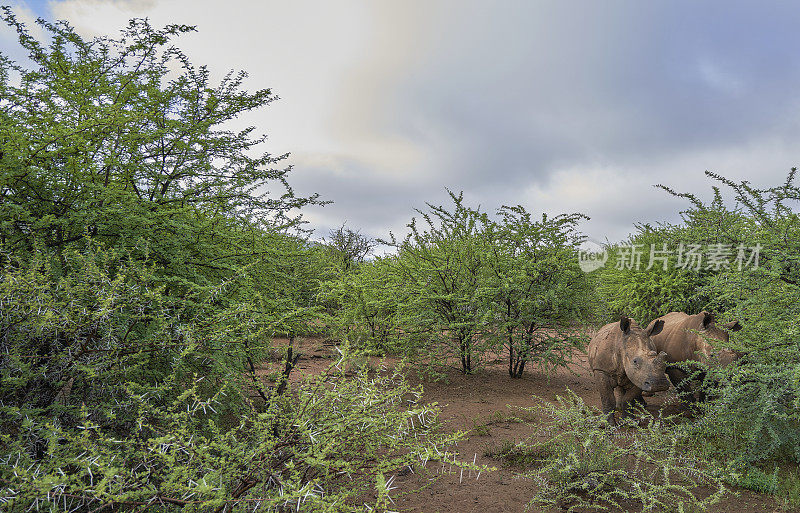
[349,247]
[651,289]
[539,293]
[368,299]
[104,155]
[96,142]
[440,269]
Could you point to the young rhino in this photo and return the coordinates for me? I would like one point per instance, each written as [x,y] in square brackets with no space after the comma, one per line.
[623,355]
[686,338]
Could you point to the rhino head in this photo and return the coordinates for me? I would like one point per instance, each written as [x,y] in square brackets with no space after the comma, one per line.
[709,331]
[644,367]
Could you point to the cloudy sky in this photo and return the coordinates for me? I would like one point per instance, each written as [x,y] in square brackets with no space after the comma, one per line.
[559,106]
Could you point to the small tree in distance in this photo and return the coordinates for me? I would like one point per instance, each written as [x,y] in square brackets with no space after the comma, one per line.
[349,247]
[367,302]
[540,292]
[440,270]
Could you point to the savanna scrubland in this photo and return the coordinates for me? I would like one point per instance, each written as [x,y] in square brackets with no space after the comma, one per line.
[153,261]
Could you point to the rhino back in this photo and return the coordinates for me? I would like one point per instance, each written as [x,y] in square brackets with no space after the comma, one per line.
[675,338]
[605,348]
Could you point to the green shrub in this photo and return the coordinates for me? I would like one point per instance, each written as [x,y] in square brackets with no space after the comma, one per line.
[367,313]
[755,417]
[468,285]
[753,478]
[439,270]
[646,290]
[789,488]
[579,461]
[539,293]
[111,395]
[124,142]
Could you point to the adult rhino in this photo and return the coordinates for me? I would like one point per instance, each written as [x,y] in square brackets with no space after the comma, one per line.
[689,338]
[623,355]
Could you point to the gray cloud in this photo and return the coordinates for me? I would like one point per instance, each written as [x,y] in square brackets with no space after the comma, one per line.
[507,96]
[560,106]
[616,83]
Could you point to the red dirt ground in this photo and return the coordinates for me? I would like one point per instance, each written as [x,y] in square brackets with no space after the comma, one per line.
[470,401]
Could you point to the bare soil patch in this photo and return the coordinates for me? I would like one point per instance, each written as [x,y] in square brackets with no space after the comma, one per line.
[482,404]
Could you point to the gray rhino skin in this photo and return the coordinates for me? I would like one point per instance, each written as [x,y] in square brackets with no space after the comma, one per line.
[687,338]
[623,355]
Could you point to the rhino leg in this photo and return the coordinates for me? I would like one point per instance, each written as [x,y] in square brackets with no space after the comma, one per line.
[606,386]
[631,398]
[639,399]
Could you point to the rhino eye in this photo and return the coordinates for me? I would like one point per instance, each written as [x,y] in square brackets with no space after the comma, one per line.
[637,361]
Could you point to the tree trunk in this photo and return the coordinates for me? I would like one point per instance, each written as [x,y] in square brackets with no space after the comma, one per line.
[518,367]
[465,346]
[516,364]
[290,362]
[511,355]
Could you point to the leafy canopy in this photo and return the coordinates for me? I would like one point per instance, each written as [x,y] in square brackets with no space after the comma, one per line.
[124,141]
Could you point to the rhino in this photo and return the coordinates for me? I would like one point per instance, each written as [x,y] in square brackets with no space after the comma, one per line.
[623,355]
[686,338]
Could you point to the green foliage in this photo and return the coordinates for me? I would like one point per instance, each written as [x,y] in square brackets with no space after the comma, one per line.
[765,295]
[348,247]
[753,478]
[480,429]
[756,415]
[109,396]
[640,286]
[123,141]
[789,488]
[470,285]
[280,286]
[368,300]
[580,462]
[144,275]
[194,441]
[440,270]
[84,336]
[540,294]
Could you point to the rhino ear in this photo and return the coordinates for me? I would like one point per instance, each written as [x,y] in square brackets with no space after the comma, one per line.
[655,328]
[625,324]
[708,318]
[732,326]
